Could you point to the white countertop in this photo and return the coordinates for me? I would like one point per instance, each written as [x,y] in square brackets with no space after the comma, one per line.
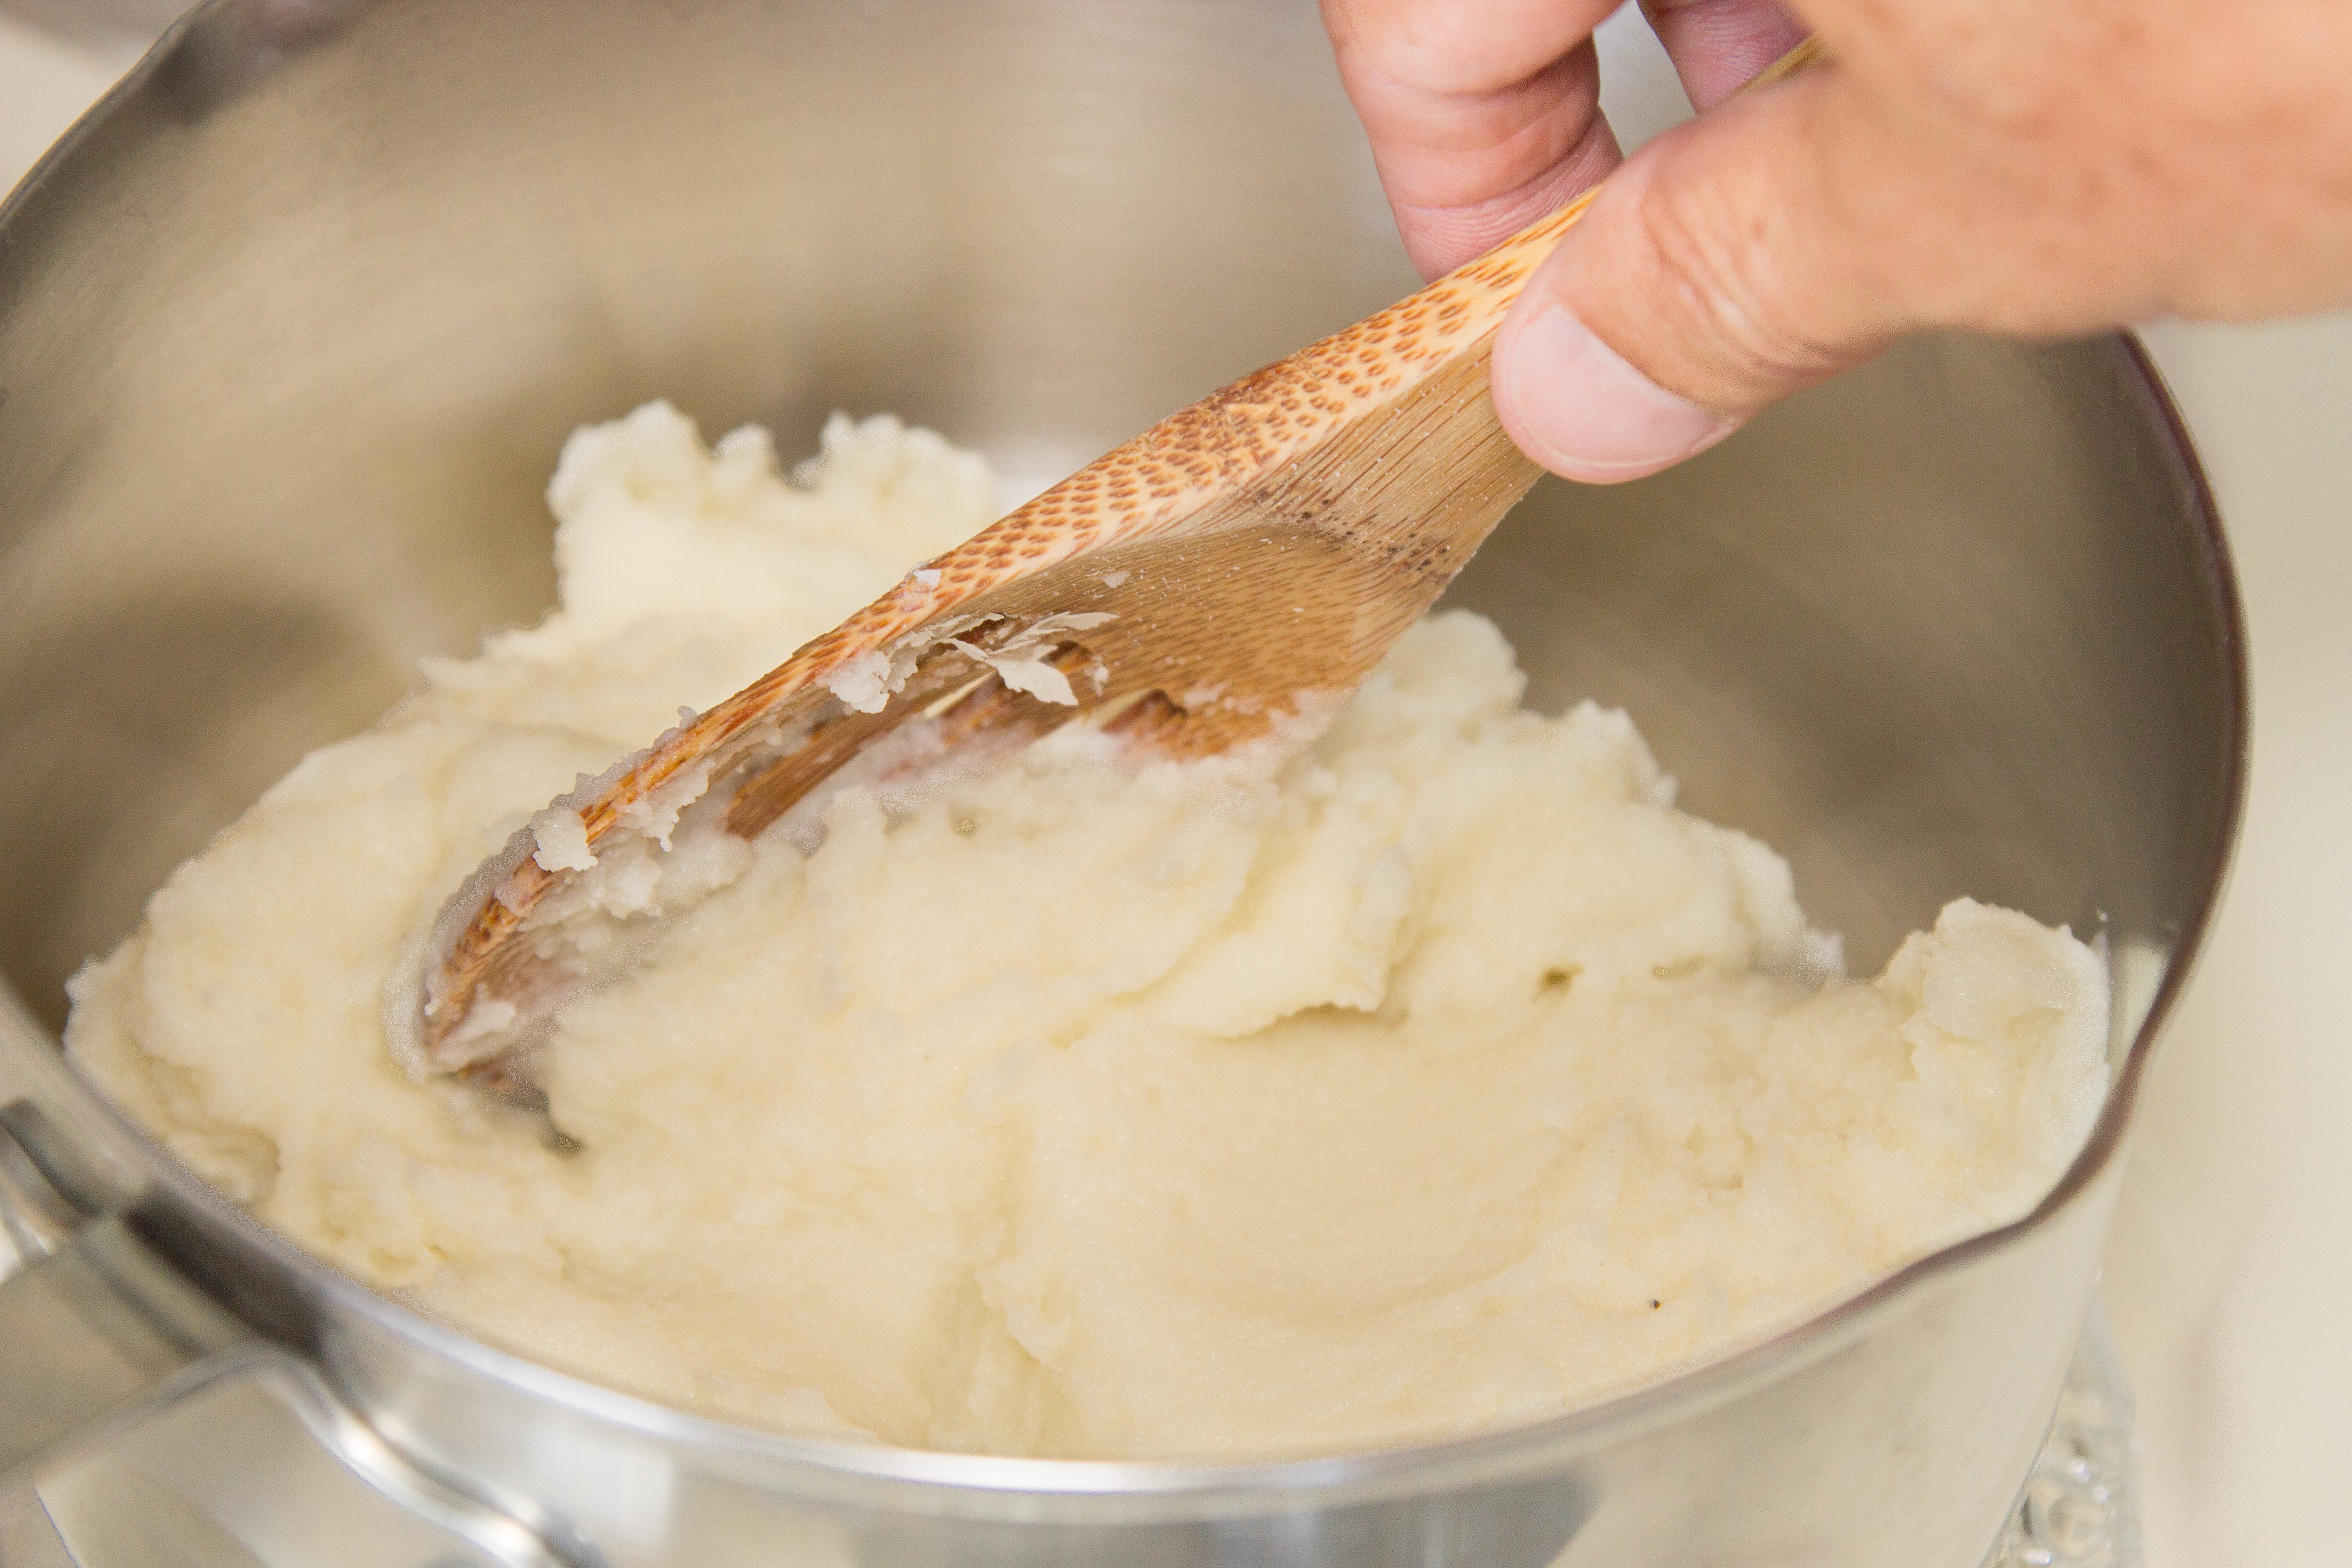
[2229,1276]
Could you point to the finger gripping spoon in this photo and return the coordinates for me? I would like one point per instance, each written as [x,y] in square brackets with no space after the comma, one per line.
[1225,578]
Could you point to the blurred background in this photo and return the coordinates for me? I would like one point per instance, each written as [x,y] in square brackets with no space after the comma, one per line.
[2230,1275]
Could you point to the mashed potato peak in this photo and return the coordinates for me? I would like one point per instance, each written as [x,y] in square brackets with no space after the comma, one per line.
[1443,1076]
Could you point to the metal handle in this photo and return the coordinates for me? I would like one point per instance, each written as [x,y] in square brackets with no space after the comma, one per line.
[137,1412]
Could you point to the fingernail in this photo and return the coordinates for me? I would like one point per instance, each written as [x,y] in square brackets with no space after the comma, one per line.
[1579,409]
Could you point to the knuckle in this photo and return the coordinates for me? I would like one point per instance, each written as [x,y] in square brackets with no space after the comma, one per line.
[1711,253]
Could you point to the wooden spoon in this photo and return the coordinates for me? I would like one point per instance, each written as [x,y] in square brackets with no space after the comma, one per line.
[1226,577]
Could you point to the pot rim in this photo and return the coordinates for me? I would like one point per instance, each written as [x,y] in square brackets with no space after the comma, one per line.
[968,1484]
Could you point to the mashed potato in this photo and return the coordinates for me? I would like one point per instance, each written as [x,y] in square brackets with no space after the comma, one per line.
[1443,1076]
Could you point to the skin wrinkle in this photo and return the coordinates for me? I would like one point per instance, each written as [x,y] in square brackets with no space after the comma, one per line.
[1438,237]
[2036,167]
[1707,258]
[1536,103]
[1467,167]
[1535,127]
[1410,65]
[1478,131]
[1446,49]
[1719,45]
[1715,268]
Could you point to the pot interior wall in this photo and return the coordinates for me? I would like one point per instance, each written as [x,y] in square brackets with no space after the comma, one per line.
[281,374]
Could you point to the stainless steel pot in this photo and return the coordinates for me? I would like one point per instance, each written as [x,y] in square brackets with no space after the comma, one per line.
[290,327]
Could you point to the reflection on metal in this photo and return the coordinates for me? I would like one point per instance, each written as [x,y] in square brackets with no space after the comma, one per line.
[107,1511]
[254,1464]
[231,1479]
[2137,970]
[2080,1506]
[283,384]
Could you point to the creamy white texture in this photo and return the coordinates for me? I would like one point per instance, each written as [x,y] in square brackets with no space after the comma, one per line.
[1443,1076]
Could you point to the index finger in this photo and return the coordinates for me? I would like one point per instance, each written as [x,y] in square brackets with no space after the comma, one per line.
[1483,114]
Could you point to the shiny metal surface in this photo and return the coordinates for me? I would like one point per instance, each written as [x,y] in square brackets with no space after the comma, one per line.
[290,330]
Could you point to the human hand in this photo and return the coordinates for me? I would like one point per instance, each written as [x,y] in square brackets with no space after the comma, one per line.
[2035,167]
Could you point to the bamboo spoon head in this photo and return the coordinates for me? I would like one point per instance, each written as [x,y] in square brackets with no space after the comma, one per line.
[1224,579]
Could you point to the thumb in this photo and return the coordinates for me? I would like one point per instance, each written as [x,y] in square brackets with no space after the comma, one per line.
[1722,267]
